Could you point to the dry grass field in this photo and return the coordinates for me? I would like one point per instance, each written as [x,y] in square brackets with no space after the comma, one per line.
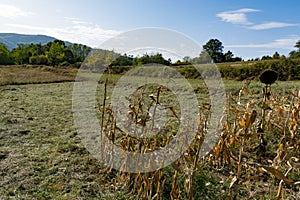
[42,156]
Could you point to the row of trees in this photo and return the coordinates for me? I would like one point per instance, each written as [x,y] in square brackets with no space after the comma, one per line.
[212,52]
[125,60]
[55,53]
[214,49]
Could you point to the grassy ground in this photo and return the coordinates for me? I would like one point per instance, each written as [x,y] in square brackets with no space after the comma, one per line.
[41,156]
[16,75]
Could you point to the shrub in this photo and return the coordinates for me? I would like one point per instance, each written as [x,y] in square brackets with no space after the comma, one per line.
[38,60]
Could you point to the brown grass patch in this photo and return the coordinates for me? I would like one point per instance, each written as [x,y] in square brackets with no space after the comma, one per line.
[18,75]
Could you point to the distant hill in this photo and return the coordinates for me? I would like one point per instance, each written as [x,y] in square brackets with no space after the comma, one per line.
[11,40]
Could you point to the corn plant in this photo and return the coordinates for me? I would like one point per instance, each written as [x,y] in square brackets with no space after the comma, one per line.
[258,147]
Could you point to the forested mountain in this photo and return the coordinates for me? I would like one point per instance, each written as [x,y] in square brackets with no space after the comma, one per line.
[11,40]
[40,50]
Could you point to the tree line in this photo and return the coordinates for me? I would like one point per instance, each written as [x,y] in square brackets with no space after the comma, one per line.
[214,49]
[212,52]
[55,53]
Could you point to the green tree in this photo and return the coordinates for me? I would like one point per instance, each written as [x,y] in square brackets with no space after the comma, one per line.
[21,54]
[204,57]
[99,59]
[149,59]
[228,56]
[297,45]
[187,59]
[276,55]
[39,49]
[214,48]
[56,53]
[80,52]
[296,53]
[46,47]
[38,60]
[5,58]
[60,42]
[266,57]
[68,56]
[122,60]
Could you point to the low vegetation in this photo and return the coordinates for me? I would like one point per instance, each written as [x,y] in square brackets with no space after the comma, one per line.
[17,75]
[287,69]
[42,157]
[256,156]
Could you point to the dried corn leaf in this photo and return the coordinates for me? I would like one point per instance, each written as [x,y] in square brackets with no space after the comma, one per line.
[280,111]
[277,174]
[235,110]
[242,123]
[251,178]
[234,179]
[252,118]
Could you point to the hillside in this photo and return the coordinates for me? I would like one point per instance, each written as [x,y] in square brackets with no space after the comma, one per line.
[11,40]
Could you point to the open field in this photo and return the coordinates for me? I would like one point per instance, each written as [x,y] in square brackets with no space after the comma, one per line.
[16,75]
[42,157]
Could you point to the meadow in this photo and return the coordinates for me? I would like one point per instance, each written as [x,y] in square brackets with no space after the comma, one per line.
[42,156]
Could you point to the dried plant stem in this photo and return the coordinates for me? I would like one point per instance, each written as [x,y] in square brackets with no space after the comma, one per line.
[102,117]
[155,107]
[239,169]
[263,112]
[279,191]
[103,104]
[175,193]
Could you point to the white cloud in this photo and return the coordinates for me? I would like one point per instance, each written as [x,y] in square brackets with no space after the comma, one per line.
[245,10]
[283,43]
[271,25]
[240,17]
[237,16]
[77,32]
[9,11]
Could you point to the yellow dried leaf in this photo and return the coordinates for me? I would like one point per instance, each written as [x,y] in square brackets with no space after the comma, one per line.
[242,123]
[227,126]
[280,111]
[192,148]
[231,141]
[236,111]
[277,174]
[252,118]
[217,149]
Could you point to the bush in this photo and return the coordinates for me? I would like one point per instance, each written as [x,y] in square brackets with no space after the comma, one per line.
[38,60]
[287,69]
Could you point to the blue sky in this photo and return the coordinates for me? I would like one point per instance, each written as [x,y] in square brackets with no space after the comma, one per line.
[249,28]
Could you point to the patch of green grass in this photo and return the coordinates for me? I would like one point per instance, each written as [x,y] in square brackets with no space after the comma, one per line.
[41,155]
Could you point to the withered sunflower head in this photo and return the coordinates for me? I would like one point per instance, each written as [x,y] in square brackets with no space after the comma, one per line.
[268,76]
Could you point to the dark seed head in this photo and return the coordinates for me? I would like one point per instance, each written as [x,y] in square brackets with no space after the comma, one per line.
[268,76]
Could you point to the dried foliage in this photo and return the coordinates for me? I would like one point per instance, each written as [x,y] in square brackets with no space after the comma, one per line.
[257,155]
